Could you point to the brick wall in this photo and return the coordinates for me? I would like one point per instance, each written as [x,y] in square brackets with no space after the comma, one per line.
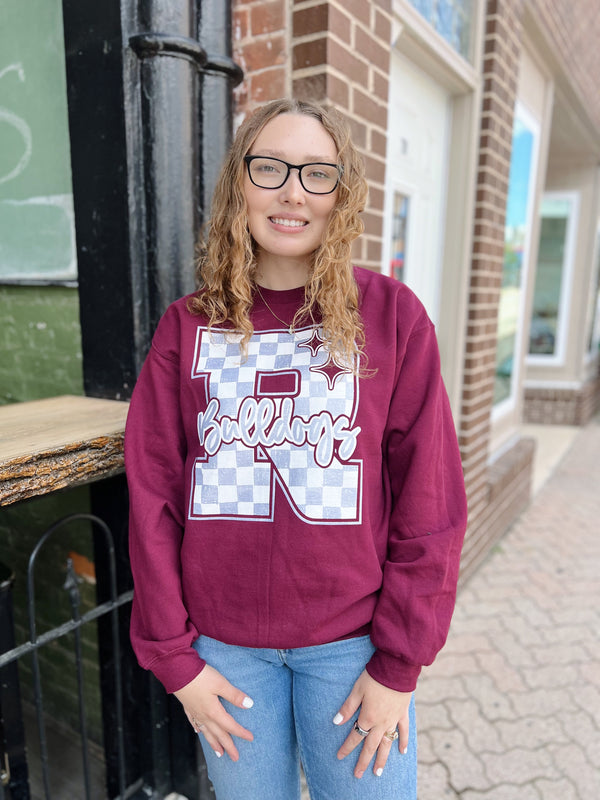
[339,52]
[261,43]
[556,406]
[487,493]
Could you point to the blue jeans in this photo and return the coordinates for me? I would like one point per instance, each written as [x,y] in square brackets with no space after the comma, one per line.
[296,695]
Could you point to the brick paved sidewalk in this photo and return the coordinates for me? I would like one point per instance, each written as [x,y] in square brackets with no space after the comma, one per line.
[511,708]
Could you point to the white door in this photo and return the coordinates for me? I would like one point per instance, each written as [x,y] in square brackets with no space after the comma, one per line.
[418,130]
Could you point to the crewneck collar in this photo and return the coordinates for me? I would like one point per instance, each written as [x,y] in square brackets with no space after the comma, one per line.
[282,296]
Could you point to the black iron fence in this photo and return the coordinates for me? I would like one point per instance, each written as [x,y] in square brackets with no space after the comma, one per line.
[14,773]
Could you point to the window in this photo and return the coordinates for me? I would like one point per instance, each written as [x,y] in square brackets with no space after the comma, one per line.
[399,232]
[452,19]
[552,278]
[516,247]
[37,230]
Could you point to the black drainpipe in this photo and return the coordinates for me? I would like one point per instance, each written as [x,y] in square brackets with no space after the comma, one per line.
[150,116]
[186,75]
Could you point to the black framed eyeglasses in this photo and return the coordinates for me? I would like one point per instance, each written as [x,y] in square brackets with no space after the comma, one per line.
[271,173]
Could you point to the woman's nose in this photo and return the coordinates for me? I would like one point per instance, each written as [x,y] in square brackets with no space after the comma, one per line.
[292,190]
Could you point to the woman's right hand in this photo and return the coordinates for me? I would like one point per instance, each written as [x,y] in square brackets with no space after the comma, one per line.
[203,708]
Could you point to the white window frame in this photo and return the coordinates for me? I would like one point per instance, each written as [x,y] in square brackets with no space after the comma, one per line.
[594,323]
[557,358]
[425,31]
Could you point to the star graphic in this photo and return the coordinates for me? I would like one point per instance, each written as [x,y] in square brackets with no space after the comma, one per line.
[315,343]
[331,370]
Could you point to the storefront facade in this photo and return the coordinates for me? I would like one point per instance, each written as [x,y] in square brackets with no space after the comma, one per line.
[480,128]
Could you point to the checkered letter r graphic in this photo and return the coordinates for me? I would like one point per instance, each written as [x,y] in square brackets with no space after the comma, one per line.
[270,421]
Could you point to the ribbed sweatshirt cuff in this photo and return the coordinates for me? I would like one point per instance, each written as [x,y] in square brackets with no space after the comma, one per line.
[177,669]
[393,672]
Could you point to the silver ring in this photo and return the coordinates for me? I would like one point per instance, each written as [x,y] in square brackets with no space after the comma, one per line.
[359,730]
[392,735]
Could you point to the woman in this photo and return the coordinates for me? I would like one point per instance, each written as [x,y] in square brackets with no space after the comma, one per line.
[297,500]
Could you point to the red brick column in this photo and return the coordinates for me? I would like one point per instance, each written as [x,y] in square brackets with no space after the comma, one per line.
[495,495]
[261,48]
[341,55]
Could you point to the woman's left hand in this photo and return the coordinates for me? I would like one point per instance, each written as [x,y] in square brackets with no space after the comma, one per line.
[382,710]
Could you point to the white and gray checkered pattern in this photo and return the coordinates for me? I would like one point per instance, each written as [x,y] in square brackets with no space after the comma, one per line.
[237,481]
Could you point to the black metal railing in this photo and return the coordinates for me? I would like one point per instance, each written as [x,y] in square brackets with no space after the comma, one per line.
[16,782]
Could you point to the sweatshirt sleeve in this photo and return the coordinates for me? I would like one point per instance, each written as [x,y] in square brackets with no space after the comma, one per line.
[155,451]
[428,518]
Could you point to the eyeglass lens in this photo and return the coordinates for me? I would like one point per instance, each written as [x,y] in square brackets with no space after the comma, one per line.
[271,173]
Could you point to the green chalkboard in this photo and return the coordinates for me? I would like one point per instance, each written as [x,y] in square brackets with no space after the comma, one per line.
[37,232]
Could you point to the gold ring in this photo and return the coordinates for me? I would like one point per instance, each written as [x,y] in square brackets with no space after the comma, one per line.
[391,735]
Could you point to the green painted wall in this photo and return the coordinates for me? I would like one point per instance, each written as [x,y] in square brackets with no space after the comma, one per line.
[40,340]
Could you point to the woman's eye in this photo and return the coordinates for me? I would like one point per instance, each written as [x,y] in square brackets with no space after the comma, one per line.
[320,174]
[267,168]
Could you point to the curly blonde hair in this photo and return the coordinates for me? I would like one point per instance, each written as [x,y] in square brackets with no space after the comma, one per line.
[227,264]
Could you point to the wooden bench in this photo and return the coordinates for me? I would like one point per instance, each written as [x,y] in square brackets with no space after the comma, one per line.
[58,443]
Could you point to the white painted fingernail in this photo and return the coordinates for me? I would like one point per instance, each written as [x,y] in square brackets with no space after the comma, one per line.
[337,719]
[379,772]
[218,755]
[405,751]
[247,702]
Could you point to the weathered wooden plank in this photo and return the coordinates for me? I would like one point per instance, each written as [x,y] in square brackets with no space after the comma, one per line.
[59,442]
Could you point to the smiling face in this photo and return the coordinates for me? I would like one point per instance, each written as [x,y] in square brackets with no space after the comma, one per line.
[288,224]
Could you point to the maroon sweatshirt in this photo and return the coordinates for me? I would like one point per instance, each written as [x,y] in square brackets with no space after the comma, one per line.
[280,501]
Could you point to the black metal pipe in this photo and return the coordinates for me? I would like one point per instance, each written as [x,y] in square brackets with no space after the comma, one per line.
[168,87]
[153,44]
[220,76]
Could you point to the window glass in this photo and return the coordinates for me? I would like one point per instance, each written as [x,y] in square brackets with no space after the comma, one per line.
[549,277]
[37,232]
[517,224]
[399,232]
[452,19]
